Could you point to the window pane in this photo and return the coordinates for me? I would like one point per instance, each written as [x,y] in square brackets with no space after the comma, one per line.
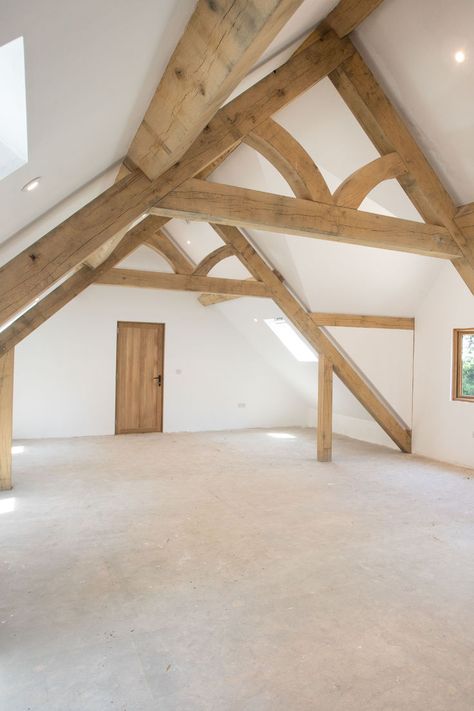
[467,355]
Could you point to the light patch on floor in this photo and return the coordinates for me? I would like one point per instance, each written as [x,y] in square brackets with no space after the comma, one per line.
[231,572]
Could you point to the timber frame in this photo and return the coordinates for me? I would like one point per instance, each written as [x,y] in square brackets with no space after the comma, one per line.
[164,176]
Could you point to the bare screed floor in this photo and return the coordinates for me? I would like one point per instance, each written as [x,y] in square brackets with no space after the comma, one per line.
[231,572]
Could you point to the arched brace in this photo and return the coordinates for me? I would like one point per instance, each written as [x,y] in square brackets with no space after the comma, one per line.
[289,157]
[358,185]
[178,261]
[210,261]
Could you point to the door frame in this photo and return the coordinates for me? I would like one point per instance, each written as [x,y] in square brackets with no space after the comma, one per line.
[140,323]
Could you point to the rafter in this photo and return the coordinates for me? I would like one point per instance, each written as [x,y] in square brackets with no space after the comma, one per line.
[288,156]
[465,219]
[225,204]
[26,276]
[210,261]
[74,285]
[348,14]
[363,390]
[182,282]
[221,43]
[358,185]
[387,130]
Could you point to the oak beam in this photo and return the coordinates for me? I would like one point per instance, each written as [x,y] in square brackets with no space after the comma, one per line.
[465,219]
[466,212]
[182,282]
[69,244]
[221,43]
[46,261]
[6,419]
[74,285]
[358,185]
[211,299]
[321,341]
[359,321]
[229,205]
[388,132]
[348,14]
[324,425]
[210,260]
[288,156]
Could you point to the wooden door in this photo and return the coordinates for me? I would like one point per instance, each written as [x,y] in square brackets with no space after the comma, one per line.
[139,389]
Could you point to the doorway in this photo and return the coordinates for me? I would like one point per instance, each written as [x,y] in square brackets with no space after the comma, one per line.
[139,377]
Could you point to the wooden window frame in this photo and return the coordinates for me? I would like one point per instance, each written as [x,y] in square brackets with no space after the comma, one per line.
[458,334]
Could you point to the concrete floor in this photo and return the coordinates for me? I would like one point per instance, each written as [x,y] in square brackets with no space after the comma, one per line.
[231,572]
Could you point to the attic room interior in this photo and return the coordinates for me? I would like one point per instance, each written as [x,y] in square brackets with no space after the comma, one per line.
[237,355]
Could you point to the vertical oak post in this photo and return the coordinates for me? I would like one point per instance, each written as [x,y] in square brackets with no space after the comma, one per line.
[324,429]
[6,419]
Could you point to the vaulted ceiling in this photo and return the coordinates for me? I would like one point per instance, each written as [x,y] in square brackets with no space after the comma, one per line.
[78,146]
[87,90]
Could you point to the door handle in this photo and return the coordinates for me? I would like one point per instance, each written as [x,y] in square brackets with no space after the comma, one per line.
[158,379]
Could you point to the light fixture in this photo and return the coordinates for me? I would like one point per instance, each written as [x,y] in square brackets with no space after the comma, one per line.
[32,185]
[255,320]
[460,56]
[188,241]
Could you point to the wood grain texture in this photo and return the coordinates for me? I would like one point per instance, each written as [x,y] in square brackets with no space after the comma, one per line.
[466,212]
[389,133]
[358,185]
[34,270]
[324,425]
[348,14]
[139,377]
[325,345]
[221,43]
[74,285]
[225,204]
[210,260]
[290,159]
[101,254]
[358,321]
[465,220]
[6,419]
[46,261]
[211,299]
[182,282]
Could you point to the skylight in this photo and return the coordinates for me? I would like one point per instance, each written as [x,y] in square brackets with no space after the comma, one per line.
[291,340]
[13,130]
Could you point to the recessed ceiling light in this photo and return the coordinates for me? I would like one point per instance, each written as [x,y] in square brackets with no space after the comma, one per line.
[460,56]
[188,241]
[256,320]
[32,185]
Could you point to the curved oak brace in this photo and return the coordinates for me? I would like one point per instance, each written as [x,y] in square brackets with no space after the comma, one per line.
[210,261]
[177,259]
[357,186]
[290,159]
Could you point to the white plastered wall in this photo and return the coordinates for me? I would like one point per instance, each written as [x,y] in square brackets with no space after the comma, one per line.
[65,370]
[443,428]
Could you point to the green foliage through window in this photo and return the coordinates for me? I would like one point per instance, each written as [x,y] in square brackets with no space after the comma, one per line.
[467,355]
